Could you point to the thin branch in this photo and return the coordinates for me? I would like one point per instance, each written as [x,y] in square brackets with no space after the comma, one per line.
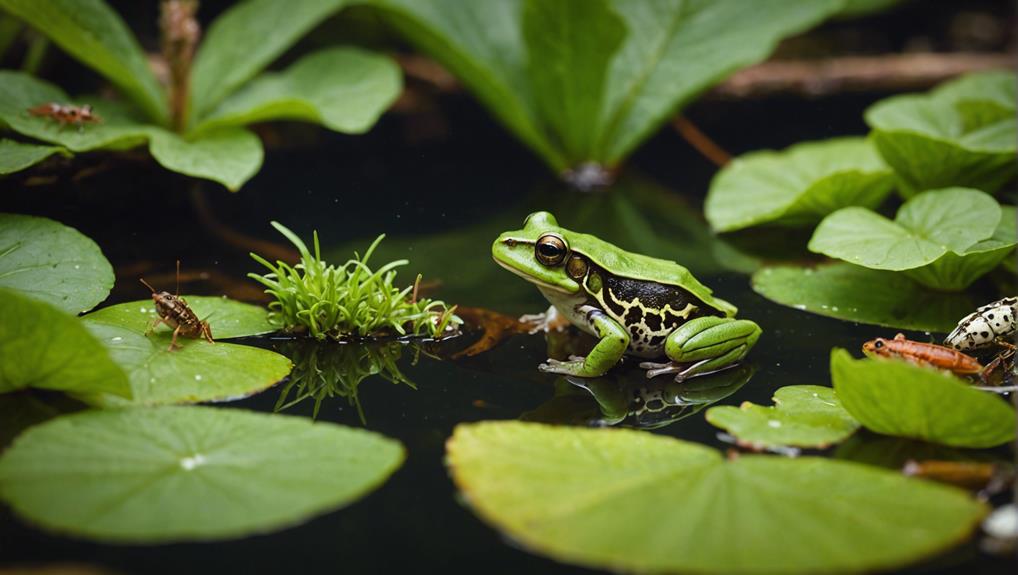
[701,141]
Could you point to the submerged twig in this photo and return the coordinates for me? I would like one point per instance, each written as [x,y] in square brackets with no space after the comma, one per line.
[702,142]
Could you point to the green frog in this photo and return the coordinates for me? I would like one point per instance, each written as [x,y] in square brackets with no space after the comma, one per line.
[633,304]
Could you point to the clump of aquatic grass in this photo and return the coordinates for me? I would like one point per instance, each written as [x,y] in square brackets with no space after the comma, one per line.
[350,301]
[321,372]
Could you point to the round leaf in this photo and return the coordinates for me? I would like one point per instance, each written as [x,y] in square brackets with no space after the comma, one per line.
[854,293]
[632,501]
[188,473]
[51,262]
[904,400]
[802,416]
[797,186]
[43,347]
[227,318]
[230,156]
[17,156]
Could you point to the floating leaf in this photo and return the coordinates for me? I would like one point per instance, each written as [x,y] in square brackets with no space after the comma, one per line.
[574,97]
[199,371]
[962,134]
[928,227]
[854,293]
[51,262]
[94,34]
[227,318]
[245,39]
[43,347]
[23,409]
[16,156]
[905,400]
[633,501]
[797,186]
[229,156]
[188,473]
[344,89]
[802,416]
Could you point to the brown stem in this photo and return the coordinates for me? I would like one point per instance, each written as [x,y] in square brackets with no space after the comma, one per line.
[701,141]
[180,34]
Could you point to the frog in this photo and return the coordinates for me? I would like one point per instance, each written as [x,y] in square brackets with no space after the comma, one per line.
[633,304]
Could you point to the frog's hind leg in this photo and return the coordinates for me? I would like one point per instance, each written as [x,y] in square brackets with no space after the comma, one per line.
[705,345]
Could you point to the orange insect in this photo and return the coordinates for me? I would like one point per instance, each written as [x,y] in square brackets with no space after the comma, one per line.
[66,114]
[920,353]
[172,310]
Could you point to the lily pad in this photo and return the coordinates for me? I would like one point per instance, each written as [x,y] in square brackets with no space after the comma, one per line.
[962,134]
[198,371]
[633,501]
[854,293]
[951,222]
[227,318]
[51,262]
[16,156]
[188,473]
[802,416]
[897,398]
[797,186]
[43,347]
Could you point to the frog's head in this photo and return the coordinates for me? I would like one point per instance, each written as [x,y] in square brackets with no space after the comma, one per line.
[538,253]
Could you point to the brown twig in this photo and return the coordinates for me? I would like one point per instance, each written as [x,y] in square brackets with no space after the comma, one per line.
[701,141]
[230,236]
[884,73]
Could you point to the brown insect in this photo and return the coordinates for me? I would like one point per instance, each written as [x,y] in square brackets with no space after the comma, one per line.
[172,310]
[920,353]
[66,114]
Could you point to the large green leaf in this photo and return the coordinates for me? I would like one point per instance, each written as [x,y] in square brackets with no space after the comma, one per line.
[854,293]
[802,416]
[17,156]
[43,347]
[94,34]
[928,227]
[797,186]
[962,134]
[344,89]
[230,156]
[637,502]
[188,473]
[556,74]
[197,371]
[245,39]
[897,398]
[51,262]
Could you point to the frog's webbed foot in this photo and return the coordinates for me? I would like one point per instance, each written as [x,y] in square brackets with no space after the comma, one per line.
[572,367]
[550,320]
[655,369]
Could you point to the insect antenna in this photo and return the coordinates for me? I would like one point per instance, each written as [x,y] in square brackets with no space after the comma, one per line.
[178,278]
[142,280]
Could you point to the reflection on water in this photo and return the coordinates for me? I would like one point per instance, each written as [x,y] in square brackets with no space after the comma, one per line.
[324,370]
[626,397]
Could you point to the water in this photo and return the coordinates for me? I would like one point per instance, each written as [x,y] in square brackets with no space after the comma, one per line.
[441,201]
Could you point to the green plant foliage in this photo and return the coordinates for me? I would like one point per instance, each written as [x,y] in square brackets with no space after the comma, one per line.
[51,262]
[349,301]
[16,156]
[897,398]
[227,318]
[797,186]
[44,347]
[94,34]
[188,473]
[229,156]
[637,502]
[197,371]
[802,416]
[854,293]
[588,81]
[246,39]
[343,89]
[961,134]
[956,222]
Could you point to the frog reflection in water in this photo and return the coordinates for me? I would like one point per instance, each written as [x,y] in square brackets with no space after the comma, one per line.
[632,303]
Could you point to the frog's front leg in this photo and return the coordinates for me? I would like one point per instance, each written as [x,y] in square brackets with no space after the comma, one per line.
[614,339]
[704,345]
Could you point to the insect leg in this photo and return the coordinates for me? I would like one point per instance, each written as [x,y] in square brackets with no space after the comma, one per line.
[173,341]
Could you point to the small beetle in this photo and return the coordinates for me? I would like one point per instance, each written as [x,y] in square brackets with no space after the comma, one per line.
[986,326]
[65,114]
[172,310]
[921,353]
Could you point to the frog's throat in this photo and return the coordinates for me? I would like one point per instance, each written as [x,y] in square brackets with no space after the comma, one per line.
[533,279]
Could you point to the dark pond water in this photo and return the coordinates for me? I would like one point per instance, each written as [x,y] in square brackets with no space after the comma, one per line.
[442,193]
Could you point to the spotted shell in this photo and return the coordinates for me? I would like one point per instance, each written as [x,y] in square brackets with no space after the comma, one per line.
[983,326]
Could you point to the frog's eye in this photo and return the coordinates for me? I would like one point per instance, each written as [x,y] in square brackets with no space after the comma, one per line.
[550,249]
[878,344]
